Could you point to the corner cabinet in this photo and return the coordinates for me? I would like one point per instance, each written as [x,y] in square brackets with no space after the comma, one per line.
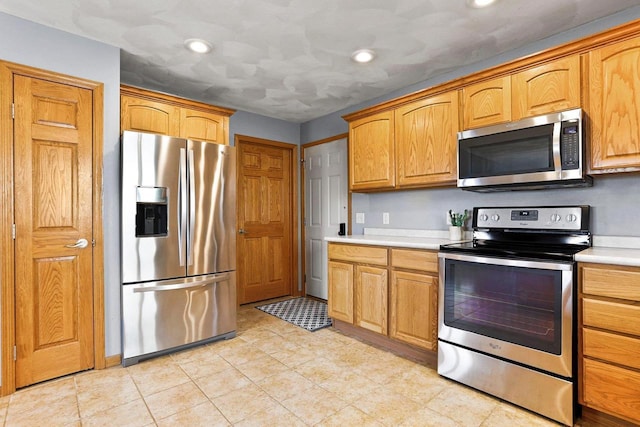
[371,152]
[614,107]
[546,88]
[609,340]
[146,111]
[389,291]
[426,138]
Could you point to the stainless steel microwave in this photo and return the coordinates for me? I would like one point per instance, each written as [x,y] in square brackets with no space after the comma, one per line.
[534,153]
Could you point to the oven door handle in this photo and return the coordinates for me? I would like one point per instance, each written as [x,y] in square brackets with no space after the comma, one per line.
[511,262]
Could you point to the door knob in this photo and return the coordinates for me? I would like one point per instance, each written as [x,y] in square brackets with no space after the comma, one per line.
[80,244]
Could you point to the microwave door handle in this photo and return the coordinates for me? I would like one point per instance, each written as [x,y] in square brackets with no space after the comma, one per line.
[557,160]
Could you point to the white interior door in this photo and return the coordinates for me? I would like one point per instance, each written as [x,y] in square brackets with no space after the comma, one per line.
[325,208]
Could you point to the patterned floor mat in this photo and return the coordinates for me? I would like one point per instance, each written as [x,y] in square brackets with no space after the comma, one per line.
[306,313]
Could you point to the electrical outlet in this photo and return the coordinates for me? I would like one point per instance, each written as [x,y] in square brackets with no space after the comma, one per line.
[385,218]
[359,217]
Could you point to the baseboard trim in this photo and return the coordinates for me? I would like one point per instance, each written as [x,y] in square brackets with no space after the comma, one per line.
[111,361]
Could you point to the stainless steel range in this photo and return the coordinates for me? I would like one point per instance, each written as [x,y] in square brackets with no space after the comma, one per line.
[507,301]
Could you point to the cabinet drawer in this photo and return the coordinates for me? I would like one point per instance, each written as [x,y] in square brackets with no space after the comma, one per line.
[415,260]
[611,282]
[611,389]
[611,315]
[360,254]
[611,347]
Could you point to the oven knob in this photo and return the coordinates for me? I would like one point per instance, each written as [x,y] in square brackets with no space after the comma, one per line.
[495,217]
[484,217]
[571,218]
[556,218]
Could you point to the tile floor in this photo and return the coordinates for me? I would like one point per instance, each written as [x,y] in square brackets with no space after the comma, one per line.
[271,374]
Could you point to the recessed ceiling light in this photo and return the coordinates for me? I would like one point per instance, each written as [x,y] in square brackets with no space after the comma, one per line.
[363,55]
[198,45]
[480,3]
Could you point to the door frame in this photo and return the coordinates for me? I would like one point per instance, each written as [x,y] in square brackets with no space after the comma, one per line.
[7,244]
[295,219]
[303,199]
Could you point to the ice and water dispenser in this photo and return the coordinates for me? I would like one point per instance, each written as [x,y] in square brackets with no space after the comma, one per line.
[151,211]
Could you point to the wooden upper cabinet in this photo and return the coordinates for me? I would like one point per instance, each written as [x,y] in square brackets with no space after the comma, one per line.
[614,107]
[487,103]
[547,88]
[426,136]
[371,152]
[146,111]
[144,115]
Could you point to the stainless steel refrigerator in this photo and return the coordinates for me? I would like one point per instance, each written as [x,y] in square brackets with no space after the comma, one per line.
[178,244]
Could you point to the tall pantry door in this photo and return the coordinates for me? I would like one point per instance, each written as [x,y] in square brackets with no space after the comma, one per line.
[53,217]
[265,223]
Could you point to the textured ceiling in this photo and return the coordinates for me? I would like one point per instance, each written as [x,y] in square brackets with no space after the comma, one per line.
[290,59]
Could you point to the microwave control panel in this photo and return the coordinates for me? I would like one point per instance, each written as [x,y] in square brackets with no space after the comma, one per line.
[570,142]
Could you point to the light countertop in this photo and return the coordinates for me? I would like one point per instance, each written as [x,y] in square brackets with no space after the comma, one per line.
[615,250]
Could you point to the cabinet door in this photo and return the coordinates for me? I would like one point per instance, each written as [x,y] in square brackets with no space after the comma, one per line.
[149,116]
[426,138]
[371,298]
[340,303]
[371,152]
[414,307]
[203,126]
[614,110]
[487,103]
[548,88]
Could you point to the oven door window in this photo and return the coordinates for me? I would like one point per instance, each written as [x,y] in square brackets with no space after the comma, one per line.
[510,153]
[514,304]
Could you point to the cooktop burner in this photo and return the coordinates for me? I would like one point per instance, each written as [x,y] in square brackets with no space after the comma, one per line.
[550,232]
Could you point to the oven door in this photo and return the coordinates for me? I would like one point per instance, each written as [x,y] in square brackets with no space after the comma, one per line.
[518,310]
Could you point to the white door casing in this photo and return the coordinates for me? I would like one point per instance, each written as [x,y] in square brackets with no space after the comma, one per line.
[326,206]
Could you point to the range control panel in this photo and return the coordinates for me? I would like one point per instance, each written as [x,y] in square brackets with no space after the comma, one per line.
[538,218]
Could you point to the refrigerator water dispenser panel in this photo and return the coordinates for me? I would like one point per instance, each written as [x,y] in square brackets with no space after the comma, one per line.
[151,212]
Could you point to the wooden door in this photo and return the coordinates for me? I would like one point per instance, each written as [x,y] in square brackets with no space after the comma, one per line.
[487,103]
[340,302]
[143,115]
[426,138]
[413,307]
[53,212]
[614,110]
[265,221]
[371,152]
[371,298]
[203,126]
[554,86]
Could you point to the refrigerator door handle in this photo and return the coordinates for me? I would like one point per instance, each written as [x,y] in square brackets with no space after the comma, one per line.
[192,208]
[208,280]
[182,204]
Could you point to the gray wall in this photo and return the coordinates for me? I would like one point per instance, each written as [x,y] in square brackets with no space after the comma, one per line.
[250,124]
[614,199]
[34,45]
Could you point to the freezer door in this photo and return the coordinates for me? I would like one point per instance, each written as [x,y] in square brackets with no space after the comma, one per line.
[159,316]
[211,238]
[154,206]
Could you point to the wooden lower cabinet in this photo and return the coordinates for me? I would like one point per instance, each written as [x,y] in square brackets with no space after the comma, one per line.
[372,298]
[389,291]
[609,310]
[341,291]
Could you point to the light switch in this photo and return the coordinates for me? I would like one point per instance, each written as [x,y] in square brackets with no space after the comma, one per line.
[359,217]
